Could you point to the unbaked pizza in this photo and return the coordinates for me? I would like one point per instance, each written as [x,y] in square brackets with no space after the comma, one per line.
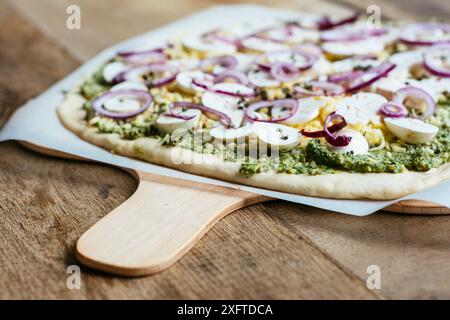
[323,107]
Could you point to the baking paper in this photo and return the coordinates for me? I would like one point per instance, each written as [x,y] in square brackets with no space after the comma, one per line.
[37,122]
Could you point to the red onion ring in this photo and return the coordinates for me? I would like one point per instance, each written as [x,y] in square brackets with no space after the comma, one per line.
[430,63]
[308,48]
[234,74]
[97,103]
[291,103]
[336,35]
[319,88]
[393,109]
[309,59]
[225,119]
[148,58]
[321,133]
[173,114]
[287,31]
[203,83]
[137,52]
[283,71]
[215,34]
[416,93]
[337,141]
[374,73]
[234,94]
[326,23]
[407,34]
[137,72]
[209,86]
[345,77]
[227,62]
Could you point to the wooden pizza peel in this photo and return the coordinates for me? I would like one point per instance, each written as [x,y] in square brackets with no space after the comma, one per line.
[165,217]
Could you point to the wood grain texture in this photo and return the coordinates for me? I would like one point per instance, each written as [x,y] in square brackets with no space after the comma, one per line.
[160,222]
[276,250]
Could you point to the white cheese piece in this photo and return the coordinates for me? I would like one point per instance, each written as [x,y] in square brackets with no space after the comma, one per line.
[350,64]
[234,87]
[277,136]
[133,85]
[297,60]
[184,64]
[263,45]
[262,79]
[397,79]
[184,80]
[349,48]
[244,62]
[308,109]
[225,104]
[411,130]
[295,34]
[358,144]
[322,66]
[209,46]
[228,134]
[407,59]
[112,70]
[121,105]
[168,124]
[361,108]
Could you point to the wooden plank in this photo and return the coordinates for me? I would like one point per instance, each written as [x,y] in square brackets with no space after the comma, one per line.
[411,251]
[46,204]
[300,252]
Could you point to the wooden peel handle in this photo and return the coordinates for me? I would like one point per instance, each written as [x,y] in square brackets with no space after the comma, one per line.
[157,225]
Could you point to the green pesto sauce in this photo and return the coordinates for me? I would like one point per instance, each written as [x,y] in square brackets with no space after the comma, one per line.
[315,159]
[94,85]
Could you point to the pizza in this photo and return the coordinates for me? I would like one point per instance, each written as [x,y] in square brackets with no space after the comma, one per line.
[322,107]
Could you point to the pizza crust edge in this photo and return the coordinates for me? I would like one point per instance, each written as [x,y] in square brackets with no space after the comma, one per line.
[340,185]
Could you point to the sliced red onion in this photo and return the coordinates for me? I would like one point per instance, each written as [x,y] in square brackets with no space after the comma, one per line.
[225,119]
[308,59]
[234,74]
[337,141]
[286,33]
[342,34]
[319,88]
[245,92]
[139,52]
[345,77]
[153,57]
[226,62]
[180,105]
[138,73]
[326,22]
[437,60]
[308,48]
[215,34]
[321,133]
[410,92]
[393,109]
[370,76]
[203,83]
[292,104]
[283,71]
[144,97]
[415,34]
[208,85]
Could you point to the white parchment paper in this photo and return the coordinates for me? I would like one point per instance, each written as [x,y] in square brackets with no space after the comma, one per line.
[37,122]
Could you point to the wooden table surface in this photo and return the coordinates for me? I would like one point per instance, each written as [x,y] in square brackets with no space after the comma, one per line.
[267,251]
